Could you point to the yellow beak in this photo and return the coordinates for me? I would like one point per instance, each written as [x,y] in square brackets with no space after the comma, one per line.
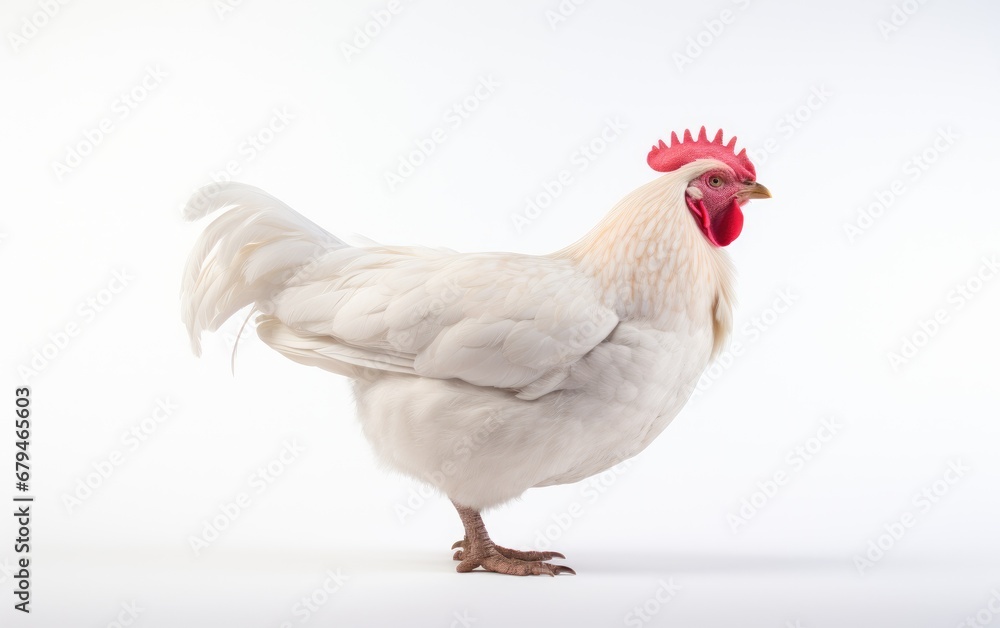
[755,190]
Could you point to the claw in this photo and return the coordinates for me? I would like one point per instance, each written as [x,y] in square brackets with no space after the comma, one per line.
[498,563]
[529,556]
[477,550]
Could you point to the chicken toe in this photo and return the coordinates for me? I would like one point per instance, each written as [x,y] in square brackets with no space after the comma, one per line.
[482,552]
[510,553]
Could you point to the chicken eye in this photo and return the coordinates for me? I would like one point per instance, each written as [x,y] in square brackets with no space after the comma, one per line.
[715,182]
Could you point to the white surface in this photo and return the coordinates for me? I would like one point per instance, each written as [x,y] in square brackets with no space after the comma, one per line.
[663,517]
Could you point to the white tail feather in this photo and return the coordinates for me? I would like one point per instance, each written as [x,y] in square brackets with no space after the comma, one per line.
[247,255]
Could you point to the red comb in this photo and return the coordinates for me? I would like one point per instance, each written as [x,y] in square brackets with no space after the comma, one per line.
[665,158]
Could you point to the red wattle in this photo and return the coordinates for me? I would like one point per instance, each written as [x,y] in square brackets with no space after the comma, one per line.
[728,226]
[723,228]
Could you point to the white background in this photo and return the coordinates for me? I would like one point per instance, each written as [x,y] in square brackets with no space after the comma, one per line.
[217,77]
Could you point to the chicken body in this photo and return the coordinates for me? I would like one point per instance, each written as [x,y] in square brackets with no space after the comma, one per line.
[484,374]
[483,447]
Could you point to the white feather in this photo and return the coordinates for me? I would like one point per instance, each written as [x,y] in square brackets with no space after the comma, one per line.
[483,374]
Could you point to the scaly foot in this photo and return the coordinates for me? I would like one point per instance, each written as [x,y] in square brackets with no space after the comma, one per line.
[477,550]
[509,553]
[494,561]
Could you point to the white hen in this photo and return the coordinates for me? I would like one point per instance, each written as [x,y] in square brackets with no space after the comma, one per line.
[486,374]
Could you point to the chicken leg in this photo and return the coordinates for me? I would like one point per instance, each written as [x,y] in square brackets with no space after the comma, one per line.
[477,550]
